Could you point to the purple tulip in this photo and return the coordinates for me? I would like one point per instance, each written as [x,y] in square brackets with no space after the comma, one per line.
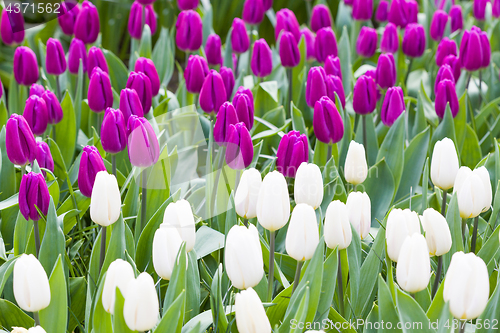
[146,2]
[189,34]
[213,50]
[327,121]
[213,92]
[390,39]
[438,24]
[239,151]
[310,40]
[12,27]
[130,104]
[445,48]
[77,52]
[187,4]
[446,94]
[135,24]
[143,146]
[35,113]
[320,17]
[96,59]
[239,37]
[44,156]
[268,4]
[332,66]
[385,76]
[444,73]
[286,20]
[142,86]
[364,96]
[68,12]
[54,109]
[398,13]
[334,86]
[228,78]
[36,89]
[362,10]
[19,141]
[147,66]
[100,94]
[348,2]
[253,12]
[316,85]
[366,44]
[292,151]
[485,47]
[454,64]
[195,73]
[393,106]
[382,11]
[113,131]
[225,117]
[479,9]
[495,8]
[55,59]
[326,44]
[33,192]
[414,40]
[288,49]
[471,50]
[412,11]
[262,59]
[90,164]
[243,103]
[87,24]
[457,20]
[25,66]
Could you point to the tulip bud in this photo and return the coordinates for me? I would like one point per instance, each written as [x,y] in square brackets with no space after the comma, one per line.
[316,85]
[286,20]
[446,94]
[413,270]
[68,12]
[90,164]
[364,95]
[382,11]
[326,44]
[243,90]
[243,104]
[445,48]
[438,24]
[245,198]
[213,92]
[118,275]
[485,47]
[366,44]
[96,59]
[473,191]
[454,64]
[457,21]
[239,152]
[19,329]
[36,89]
[141,309]
[332,66]
[43,156]
[385,76]
[100,95]
[262,59]
[137,13]
[310,40]
[444,164]
[444,73]
[466,286]
[87,24]
[113,131]
[105,201]
[55,59]
[393,106]
[414,40]
[412,11]
[320,17]
[289,51]
[35,113]
[359,209]
[213,50]
[189,34]
[142,85]
[228,78]
[225,117]
[483,173]
[250,314]
[437,232]
[268,4]
[33,192]
[495,8]
[253,12]
[471,50]
[77,52]
[130,104]
[309,185]
[327,121]
[273,203]
[302,236]
[30,284]
[337,230]
[390,39]
[166,245]
[143,146]
[179,215]
[398,13]
[147,66]
[25,66]
[195,73]
[187,4]
[355,168]
[479,9]
[12,27]
[400,224]
[362,10]
[243,257]
[292,151]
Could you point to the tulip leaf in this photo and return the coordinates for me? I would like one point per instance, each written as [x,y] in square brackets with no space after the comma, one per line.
[392,149]
[4,114]
[118,73]
[22,231]
[119,324]
[302,312]
[380,188]
[228,52]
[145,45]
[387,308]
[460,121]
[9,183]
[192,287]
[411,315]
[178,280]
[330,269]
[173,316]
[471,151]
[446,129]
[455,223]
[437,305]
[12,316]
[345,61]
[489,317]
[54,318]
[371,135]
[77,291]
[53,244]
[5,271]
[83,204]
[489,250]
[208,240]
[102,321]
[266,98]
[116,246]
[216,302]
[162,56]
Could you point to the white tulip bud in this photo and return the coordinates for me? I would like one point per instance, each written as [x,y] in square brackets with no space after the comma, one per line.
[180,216]
[105,201]
[337,227]
[355,168]
[166,245]
[471,193]
[250,314]
[444,164]
[31,284]
[484,175]
[141,309]
[309,185]
[243,257]
[247,193]
[413,270]
[302,237]
[466,286]
[360,214]
[19,330]
[437,232]
[36,329]
[119,274]
[400,224]
[273,204]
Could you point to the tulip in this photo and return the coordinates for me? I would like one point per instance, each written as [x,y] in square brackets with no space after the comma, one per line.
[483,173]
[243,104]
[316,85]
[445,48]
[473,190]
[130,104]
[179,215]
[118,275]
[55,59]
[268,4]
[25,66]
[393,106]
[292,151]
[385,76]
[36,329]
[400,224]
[398,13]
[495,8]
[30,284]
[412,11]
[243,257]
[334,86]
[253,12]
[485,47]
[100,95]
[141,83]
[366,44]
[139,12]
[437,232]
[471,50]
[43,156]
[189,34]
[382,11]
[289,51]
[327,121]
[113,131]
[466,286]
[337,230]
[302,236]
[262,59]
[35,113]
[243,90]
[225,117]
[247,193]
[413,268]
[355,168]
[309,185]
[320,17]
[166,245]
[362,10]
[187,4]
[310,40]
[359,209]
[250,314]
[77,52]
[33,192]
[228,78]
[414,41]
[195,73]
[444,73]
[239,152]
[105,201]
[286,20]
[90,164]
[147,66]
[141,309]
[87,24]
[364,95]
[273,204]
[68,12]
[213,92]
[326,44]
[446,94]
[96,59]
[143,146]
[213,50]
[479,9]
[37,90]
[332,66]
[457,21]
[390,39]
[438,24]
[12,27]
[454,64]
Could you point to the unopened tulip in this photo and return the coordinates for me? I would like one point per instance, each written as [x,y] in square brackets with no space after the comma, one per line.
[33,192]
[327,121]
[398,14]
[484,175]
[100,94]
[213,92]
[444,73]
[466,286]
[393,106]
[227,76]
[166,245]
[446,94]
[316,85]
[118,275]
[320,17]
[239,36]
[213,50]
[239,150]
[35,113]
[250,314]
[189,35]
[18,330]
[310,40]
[243,104]
[30,284]
[90,164]
[268,4]
[143,147]
[390,39]
[12,26]
[243,90]
[67,15]
[362,10]
[326,44]
[473,191]
[141,83]
[359,209]
[253,12]
[147,66]
[445,48]
[55,59]
[302,236]
[141,309]
[139,12]
[471,50]
[292,151]
[87,24]
[288,49]
[382,11]
[485,47]
[113,131]
[179,215]
[366,45]
[495,8]
[286,20]
[479,9]
[130,104]
[444,164]
[96,59]
[413,270]
[44,156]
[309,185]
[105,201]
[195,73]
[437,232]
[77,52]
[36,329]
[454,64]
[273,203]
[225,117]
[25,66]
[364,95]
[400,224]
[337,230]
[355,168]
[414,40]
[262,59]
[385,75]
[243,257]
[412,11]
[187,4]
[36,89]
[245,198]
[332,66]
[334,86]
[456,18]
[438,25]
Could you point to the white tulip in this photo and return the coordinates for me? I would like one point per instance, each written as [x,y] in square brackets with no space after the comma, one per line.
[302,237]
[273,204]
[471,193]
[247,193]
[359,209]
[119,274]
[444,164]
[105,201]
[400,224]
[180,216]
[413,270]
[36,329]
[250,314]
[466,286]
[141,309]
[337,227]
[243,257]
[355,167]
[308,185]
[19,330]
[166,245]
[484,175]
[30,284]
[437,232]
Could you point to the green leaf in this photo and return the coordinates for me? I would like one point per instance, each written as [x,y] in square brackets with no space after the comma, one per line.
[411,315]
[119,324]
[145,45]
[392,149]
[59,164]
[5,271]
[228,52]
[335,318]
[102,321]
[387,309]
[380,188]
[173,317]
[428,107]
[65,131]
[116,247]
[178,279]
[491,314]
[192,287]
[53,244]
[12,316]
[328,285]
[345,61]
[216,303]
[471,151]
[54,318]
[162,56]
[455,223]
[77,291]
[8,188]
[460,121]
[371,134]
[302,311]
[266,98]
[208,240]
[79,97]
[118,73]
[446,129]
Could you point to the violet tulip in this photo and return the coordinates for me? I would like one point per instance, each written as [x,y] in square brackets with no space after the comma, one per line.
[445,48]
[327,121]
[412,11]
[228,78]
[100,94]
[19,141]
[471,50]
[139,12]
[246,91]
[366,44]
[398,13]
[187,4]
[495,8]
[262,59]
[438,24]
[239,149]
[243,103]
[142,85]
[310,40]
[332,66]
[289,52]
[362,10]
[268,4]
[195,73]
[390,39]
[77,52]
[55,59]
[454,63]
[189,28]
[286,20]
[213,50]
[87,24]
[444,73]
[130,104]
[90,164]
[25,66]
[326,44]
[364,97]
[292,151]
[113,131]
[225,117]
[253,12]
[68,12]
[36,89]
[320,17]
[12,27]
[239,36]
[446,94]
[54,110]
[385,75]
[146,2]
[96,59]
[485,47]
[479,9]
[382,11]
[143,146]
[147,66]
[393,105]
[213,92]
[414,40]
[35,113]
[334,86]
[44,156]
[33,192]
[457,20]
[316,85]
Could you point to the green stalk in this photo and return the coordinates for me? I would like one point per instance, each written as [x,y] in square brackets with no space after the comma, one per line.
[438,276]
[37,318]
[365,144]
[340,287]
[58,89]
[443,206]
[290,91]
[144,198]
[113,164]
[474,235]
[103,247]
[37,238]
[297,275]
[271,266]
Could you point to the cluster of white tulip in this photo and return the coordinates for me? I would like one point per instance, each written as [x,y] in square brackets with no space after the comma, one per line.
[36,329]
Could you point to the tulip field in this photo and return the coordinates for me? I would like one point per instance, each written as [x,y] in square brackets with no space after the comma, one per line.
[251,166]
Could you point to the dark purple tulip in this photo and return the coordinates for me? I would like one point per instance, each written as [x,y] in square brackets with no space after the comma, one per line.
[44,156]
[36,89]
[268,4]
[320,17]
[68,12]
[35,113]
[54,109]
[143,146]
[239,36]
[438,24]
[362,10]
[147,66]
[334,86]
[457,20]
[286,20]
[262,59]
[239,151]
[390,39]
[253,12]
[485,47]
[12,27]
[213,92]
[471,50]
[195,73]
[77,52]
[87,24]
[414,40]
[113,131]
[326,44]
[316,85]
[243,104]
[19,141]
[348,2]
[479,9]
[135,23]
[327,121]
[385,76]
[187,4]
[25,66]
[398,14]
[90,164]
[33,192]
[454,64]
[412,11]
[495,8]
[310,40]
[445,48]
[292,151]
[444,73]
[146,2]
[100,94]
[382,11]
[189,34]
[393,105]
[55,59]
[243,90]
[142,86]
[332,66]
[213,50]
[228,78]
[446,94]
[289,51]
[366,44]
[364,96]
[96,59]
[130,104]
[225,117]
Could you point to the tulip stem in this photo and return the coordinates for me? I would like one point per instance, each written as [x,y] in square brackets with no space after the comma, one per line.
[408,73]
[58,89]
[37,318]
[37,238]
[113,164]
[340,287]
[216,183]
[144,198]
[54,132]
[308,8]
[245,222]
[464,223]
[480,92]
[271,266]
[365,144]
[469,75]
[75,204]
[103,247]
[443,206]
[462,327]
[297,275]
[329,153]
[290,91]
[23,169]
[474,235]
[438,276]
